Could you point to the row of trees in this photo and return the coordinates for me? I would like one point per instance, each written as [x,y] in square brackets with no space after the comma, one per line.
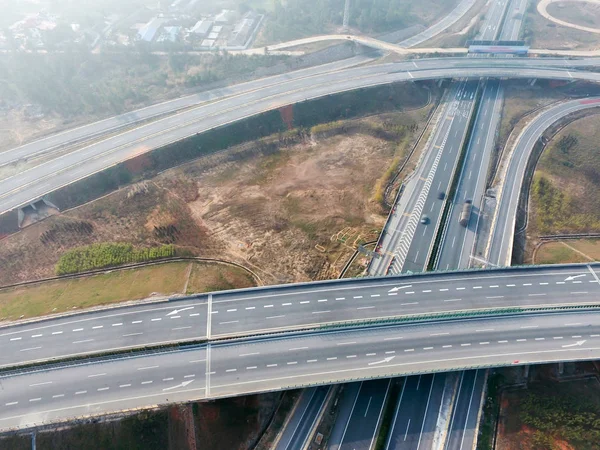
[98,256]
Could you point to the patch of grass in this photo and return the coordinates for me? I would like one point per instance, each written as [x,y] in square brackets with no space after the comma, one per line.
[490,412]
[206,277]
[557,253]
[118,286]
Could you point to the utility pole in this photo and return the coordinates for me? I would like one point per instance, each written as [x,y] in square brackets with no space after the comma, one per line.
[346,14]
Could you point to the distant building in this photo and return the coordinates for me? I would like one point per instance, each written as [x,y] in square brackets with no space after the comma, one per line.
[202,27]
[243,30]
[208,43]
[148,32]
[213,36]
[217,28]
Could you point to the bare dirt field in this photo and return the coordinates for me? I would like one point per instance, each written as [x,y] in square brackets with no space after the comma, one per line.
[540,32]
[292,213]
[584,14]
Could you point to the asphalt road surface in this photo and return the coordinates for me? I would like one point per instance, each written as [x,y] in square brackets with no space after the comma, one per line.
[293,307]
[236,368]
[44,178]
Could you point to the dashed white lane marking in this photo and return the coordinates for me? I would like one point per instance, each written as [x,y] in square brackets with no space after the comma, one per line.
[311,360]
[76,329]
[391,352]
[40,384]
[29,349]
[11,403]
[250,354]
[371,354]
[124,385]
[575,337]
[484,329]
[465,345]
[560,282]
[305,302]
[453,300]
[366,307]
[298,348]
[460,288]
[484,343]
[594,335]
[286,304]
[276,317]
[96,375]
[495,296]
[427,348]
[194,314]
[190,375]
[393,338]
[333,358]
[536,295]
[291,363]
[476,287]
[271,365]
[409,292]
[426,291]
[572,324]
[544,284]
[337,299]
[156,320]
[409,350]
[227,323]
[444,290]
[439,334]
[97,327]
[16,339]
[132,334]
[521,340]
[392,293]
[180,328]
[358,296]
[579,292]
[137,321]
[58,395]
[447,346]
[557,337]
[529,326]
[375,295]
[251,367]
[320,312]
[502,342]
[103,389]
[117,324]
[268,306]
[57,332]
[407,304]
[148,368]
[84,341]
[168,379]
[36,335]
[540,339]
[197,361]
[232,310]
[493,285]
[345,343]
[253,307]
[177,317]
[351,356]
[511,285]
[322,300]
[37,399]
[146,382]
[80,392]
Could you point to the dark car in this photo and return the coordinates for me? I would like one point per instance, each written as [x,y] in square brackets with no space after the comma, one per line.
[441,195]
[424,219]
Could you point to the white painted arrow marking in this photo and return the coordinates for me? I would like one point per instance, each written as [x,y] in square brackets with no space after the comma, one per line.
[184,384]
[385,360]
[400,287]
[572,277]
[177,311]
[576,344]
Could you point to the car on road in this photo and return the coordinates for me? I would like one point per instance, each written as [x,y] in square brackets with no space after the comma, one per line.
[424,219]
[441,195]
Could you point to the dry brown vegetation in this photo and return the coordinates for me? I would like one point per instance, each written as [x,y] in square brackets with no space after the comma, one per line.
[291,213]
[584,14]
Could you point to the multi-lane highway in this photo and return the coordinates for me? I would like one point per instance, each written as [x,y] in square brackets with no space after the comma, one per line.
[272,363]
[49,176]
[295,307]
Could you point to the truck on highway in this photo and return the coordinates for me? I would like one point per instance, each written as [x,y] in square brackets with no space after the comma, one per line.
[465,214]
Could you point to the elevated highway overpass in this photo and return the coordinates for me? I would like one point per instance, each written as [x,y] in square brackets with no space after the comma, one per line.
[32,184]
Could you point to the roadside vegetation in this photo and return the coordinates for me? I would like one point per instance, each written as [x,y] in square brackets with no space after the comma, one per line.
[120,285]
[567,251]
[99,256]
[564,193]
